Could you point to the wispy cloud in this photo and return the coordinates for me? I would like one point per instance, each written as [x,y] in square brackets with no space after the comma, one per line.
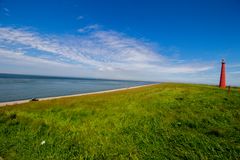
[20,57]
[99,53]
[88,28]
[235,72]
[80,17]
[6,11]
[234,66]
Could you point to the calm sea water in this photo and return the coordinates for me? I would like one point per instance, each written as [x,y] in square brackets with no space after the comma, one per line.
[19,87]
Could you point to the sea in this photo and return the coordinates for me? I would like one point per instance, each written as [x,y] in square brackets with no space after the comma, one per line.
[22,87]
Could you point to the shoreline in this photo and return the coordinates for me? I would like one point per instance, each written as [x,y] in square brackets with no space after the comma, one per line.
[10,103]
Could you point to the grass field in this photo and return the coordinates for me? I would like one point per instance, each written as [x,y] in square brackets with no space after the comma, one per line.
[165,121]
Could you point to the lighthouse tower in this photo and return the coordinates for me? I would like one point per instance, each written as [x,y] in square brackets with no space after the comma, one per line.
[222,83]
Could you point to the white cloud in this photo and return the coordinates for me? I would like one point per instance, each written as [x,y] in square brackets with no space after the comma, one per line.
[6,12]
[89,28]
[80,17]
[102,54]
[48,44]
[24,59]
[235,72]
[234,66]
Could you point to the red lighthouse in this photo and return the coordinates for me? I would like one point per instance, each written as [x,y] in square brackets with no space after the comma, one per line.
[222,83]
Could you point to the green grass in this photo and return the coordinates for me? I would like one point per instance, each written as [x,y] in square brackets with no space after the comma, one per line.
[166,121]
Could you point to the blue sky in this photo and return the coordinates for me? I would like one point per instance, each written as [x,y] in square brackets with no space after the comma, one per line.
[167,40]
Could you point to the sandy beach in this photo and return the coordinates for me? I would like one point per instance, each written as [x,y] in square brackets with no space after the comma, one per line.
[2,104]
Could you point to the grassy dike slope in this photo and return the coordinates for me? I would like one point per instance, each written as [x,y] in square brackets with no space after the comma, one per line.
[165,121]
